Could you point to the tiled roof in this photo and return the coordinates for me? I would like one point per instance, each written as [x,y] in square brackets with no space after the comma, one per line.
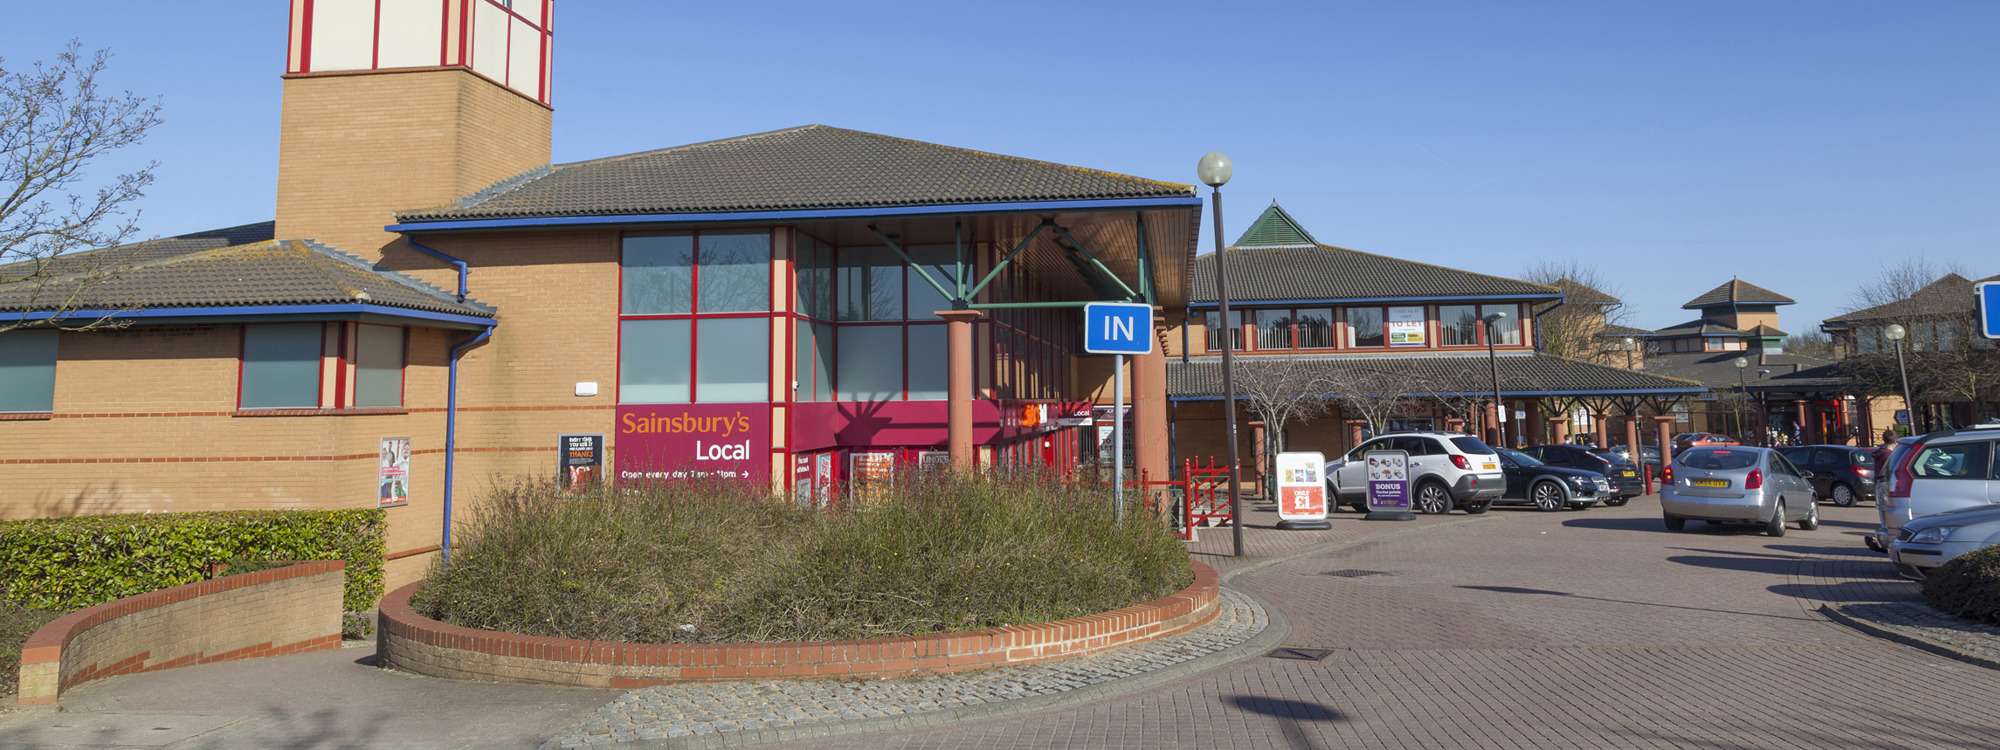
[1618,330]
[1766,330]
[1580,294]
[1520,375]
[1696,327]
[164,247]
[1950,295]
[1738,292]
[1325,272]
[272,272]
[810,167]
[1276,228]
[1718,370]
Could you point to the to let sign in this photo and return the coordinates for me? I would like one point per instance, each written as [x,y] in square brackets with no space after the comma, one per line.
[1388,481]
[1301,486]
[1117,328]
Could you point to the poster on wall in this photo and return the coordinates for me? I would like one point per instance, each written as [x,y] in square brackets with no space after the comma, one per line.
[1102,417]
[803,490]
[868,474]
[1406,326]
[684,441]
[933,462]
[823,478]
[582,462]
[394,473]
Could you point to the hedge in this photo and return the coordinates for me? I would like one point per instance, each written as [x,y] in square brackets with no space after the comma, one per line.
[72,563]
[1967,586]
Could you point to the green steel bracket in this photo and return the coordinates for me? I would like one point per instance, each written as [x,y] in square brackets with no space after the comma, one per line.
[956,300]
[1129,294]
[981,286]
[1145,260]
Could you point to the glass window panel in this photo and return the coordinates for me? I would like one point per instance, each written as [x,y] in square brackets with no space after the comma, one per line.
[378,366]
[732,357]
[815,355]
[1506,331]
[735,271]
[1216,330]
[925,300]
[1274,329]
[1458,325]
[871,284]
[281,366]
[1316,328]
[28,370]
[659,274]
[1364,326]
[814,278]
[870,366]
[653,361]
[928,358]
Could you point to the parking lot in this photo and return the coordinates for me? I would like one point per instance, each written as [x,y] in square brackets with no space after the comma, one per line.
[1525,629]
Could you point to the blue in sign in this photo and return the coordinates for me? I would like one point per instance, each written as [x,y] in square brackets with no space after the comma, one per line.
[1118,328]
[1986,295]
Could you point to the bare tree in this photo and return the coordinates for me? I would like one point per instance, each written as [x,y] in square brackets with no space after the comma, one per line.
[1281,390]
[54,124]
[1896,282]
[1575,330]
[1946,359]
[1810,344]
[1370,395]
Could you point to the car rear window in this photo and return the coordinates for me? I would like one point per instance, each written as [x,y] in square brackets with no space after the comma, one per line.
[1861,458]
[1717,458]
[1469,444]
[1952,461]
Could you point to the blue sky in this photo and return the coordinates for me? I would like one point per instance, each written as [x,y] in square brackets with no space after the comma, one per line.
[1797,145]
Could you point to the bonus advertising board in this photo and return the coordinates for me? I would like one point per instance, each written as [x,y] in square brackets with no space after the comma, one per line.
[1388,481]
[1301,486]
[679,441]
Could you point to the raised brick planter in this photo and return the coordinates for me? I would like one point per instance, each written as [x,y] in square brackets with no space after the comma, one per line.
[419,644]
[270,612]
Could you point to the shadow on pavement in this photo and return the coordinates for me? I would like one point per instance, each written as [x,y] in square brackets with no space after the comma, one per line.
[1290,715]
[1546,592]
[1617,524]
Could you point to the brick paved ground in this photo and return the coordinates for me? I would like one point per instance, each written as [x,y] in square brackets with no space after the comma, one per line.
[1587,629]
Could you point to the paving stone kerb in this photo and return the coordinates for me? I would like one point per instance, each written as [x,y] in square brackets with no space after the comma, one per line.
[415,643]
[285,610]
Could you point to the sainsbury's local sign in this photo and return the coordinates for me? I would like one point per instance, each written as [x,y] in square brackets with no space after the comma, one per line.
[678,441]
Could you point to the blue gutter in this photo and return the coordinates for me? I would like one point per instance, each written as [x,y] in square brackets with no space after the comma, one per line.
[264,310]
[462,270]
[1647,391]
[1383,300]
[451,431]
[802,214]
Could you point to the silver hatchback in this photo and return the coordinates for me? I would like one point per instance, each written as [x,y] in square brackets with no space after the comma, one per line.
[1738,484]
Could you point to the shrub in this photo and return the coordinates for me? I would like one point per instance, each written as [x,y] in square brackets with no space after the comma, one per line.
[1967,586]
[72,563]
[701,561]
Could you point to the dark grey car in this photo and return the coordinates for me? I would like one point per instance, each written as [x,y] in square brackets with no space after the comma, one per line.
[1738,484]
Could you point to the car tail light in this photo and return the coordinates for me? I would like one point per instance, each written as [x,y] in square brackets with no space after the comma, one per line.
[1862,472]
[1460,462]
[1756,480]
[1667,474]
[1900,484]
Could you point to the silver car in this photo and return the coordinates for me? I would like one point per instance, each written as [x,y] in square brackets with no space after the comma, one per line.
[1930,541]
[1941,471]
[1738,484]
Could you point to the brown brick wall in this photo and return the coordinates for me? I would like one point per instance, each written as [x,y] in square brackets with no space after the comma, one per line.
[354,149]
[266,613]
[412,642]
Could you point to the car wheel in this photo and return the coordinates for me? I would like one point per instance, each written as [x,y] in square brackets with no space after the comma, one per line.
[1613,502]
[1843,496]
[1776,526]
[1473,509]
[1811,521]
[1549,496]
[1433,499]
[1676,523]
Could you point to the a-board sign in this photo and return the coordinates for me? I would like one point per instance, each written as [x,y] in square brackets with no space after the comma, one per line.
[1388,481]
[1117,328]
[1302,486]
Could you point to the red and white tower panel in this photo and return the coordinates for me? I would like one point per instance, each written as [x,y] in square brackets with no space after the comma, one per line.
[508,41]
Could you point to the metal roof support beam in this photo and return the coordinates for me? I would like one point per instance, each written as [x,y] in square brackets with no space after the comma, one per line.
[957,301]
[1145,259]
[1030,305]
[958,264]
[1009,260]
[1129,294]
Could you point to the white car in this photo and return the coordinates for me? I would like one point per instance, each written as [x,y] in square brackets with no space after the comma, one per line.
[1935,473]
[1925,543]
[1447,470]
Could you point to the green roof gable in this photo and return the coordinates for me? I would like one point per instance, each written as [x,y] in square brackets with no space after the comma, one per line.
[1275,229]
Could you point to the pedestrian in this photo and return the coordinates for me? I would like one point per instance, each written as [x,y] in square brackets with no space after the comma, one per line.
[1881,452]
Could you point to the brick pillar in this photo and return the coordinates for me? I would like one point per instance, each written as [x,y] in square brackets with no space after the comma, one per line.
[958,389]
[1354,428]
[1632,438]
[1603,420]
[1256,475]
[1561,430]
[1149,411]
[1664,426]
[1805,426]
[1538,426]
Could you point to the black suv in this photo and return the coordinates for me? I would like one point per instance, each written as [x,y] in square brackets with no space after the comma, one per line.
[1623,475]
[1842,473]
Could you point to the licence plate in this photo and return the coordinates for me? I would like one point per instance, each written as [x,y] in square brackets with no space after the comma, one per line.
[1490,467]
[1626,474]
[1709,482]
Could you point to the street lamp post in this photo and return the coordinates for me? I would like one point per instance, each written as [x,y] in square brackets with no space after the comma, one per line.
[1493,369]
[1215,170]
[1763,414]
[1742,392]
[1896,333]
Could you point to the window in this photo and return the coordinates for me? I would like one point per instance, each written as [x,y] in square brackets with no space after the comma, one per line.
[814,359]
[1868,340]
[925,301]
[1953,461]
[281,366]
[1315,328]
[814,278]
[928,357]
[1458,325]
[1274,329]
[1216,330]
[730,359]
[659,274]
[28,371]
[696,321]
[1507,330]
[653,366]
[378,366]
[871,284]
[735,271]
[870,366]
[1364,326]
